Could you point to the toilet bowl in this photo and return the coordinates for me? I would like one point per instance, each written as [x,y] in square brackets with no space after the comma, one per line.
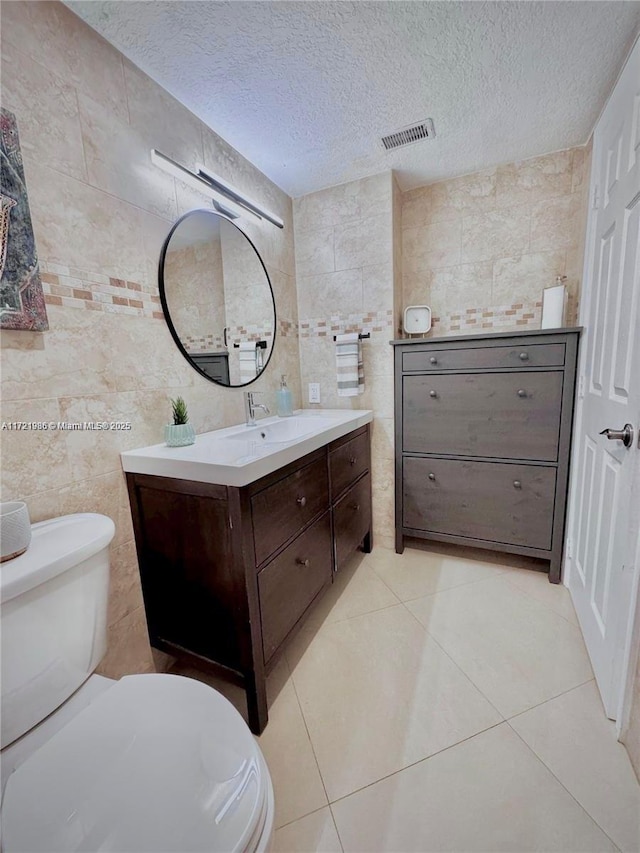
[147,763]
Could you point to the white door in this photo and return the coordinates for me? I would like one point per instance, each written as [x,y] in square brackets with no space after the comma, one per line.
[603,524]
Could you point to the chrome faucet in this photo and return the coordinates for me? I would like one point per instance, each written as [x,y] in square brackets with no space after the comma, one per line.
[250,407]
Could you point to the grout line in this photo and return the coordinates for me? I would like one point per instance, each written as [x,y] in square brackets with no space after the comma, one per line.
[306,727]
[335,825]
[559,781]
[550,699]
[458,667]
[418,761]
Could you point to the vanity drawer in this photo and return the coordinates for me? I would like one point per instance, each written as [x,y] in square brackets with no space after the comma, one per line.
[347,462]
[503,415]
[352,519]
[494,501]
[283,508]
[291,581]
[470,358]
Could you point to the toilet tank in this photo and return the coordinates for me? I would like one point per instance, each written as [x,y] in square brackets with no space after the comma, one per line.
[53,618]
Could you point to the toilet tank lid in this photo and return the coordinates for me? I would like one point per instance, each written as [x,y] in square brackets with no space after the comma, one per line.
[56,545]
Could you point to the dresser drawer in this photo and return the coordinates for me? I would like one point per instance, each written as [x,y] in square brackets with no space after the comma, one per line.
[512,415]
[283,508]
[352,519]
[347,462]
[469,358]
[494,501]
[290,582]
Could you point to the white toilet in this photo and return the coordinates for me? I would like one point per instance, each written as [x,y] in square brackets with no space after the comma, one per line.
[148,763]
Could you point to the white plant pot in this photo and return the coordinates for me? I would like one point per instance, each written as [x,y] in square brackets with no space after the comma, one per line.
[179,435]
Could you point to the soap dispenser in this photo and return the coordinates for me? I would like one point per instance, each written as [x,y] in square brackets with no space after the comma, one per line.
[284,400]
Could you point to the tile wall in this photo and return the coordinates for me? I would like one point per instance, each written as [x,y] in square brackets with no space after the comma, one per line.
[345,280]
[87,119]
[480,249]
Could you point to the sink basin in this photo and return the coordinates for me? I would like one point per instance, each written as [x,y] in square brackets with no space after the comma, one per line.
[239,455]
[281,431]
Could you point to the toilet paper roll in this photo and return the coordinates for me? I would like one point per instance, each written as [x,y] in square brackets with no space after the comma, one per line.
[554,300]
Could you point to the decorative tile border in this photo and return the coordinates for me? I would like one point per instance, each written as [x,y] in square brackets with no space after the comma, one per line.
[74,288]
[322,327]
[495,317]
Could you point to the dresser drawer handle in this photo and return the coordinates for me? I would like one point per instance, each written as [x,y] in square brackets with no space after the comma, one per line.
[432,476]
[433,393]
[352,460]
[301,501]
[433,359]
[522,393]
[302,562]
[517,484]
[354,507]
[524,356]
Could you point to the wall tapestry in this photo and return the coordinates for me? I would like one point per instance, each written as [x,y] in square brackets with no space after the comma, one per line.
[21,299]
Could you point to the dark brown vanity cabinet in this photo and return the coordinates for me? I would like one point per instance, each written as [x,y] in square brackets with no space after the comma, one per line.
[483,436]
[229,573]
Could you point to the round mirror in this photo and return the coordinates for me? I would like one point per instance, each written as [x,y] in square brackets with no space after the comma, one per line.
[217,298]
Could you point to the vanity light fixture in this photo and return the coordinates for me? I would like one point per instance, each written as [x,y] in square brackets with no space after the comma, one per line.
[221,203]
[226,198]
[222,186]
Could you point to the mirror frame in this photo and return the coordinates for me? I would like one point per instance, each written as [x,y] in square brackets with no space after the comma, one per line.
[165,307]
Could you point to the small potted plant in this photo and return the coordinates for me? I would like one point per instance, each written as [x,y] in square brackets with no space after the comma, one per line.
[180,432]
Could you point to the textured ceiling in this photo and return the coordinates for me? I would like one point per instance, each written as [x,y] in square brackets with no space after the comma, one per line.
[305,89]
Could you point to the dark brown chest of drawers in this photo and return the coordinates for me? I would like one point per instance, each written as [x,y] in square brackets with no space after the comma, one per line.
[483,437]
[229,573]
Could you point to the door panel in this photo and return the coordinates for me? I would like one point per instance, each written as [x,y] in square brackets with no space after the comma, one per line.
[603,527]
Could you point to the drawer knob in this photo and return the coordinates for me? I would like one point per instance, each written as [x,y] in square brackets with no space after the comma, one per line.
[354,507]
[433,359]
[301,501]
[432,476]
[302,562]
[433,393]
[352,460]
[522,393]
[524,356]
[517,484]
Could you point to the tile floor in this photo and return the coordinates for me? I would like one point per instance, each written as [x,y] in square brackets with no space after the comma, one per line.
[434,702]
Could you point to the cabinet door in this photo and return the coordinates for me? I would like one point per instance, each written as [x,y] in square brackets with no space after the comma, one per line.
[500,502]
[514,415]
[290,582]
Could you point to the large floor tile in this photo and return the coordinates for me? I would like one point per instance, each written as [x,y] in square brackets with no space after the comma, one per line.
[516,650]
[572,736]
[378,694]
[315,833]
[554,595]
[489,793]
[416,572]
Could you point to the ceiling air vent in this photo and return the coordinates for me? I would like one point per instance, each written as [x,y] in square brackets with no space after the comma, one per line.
[409,135]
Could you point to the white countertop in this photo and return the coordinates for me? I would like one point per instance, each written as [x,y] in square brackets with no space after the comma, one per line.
[239,455]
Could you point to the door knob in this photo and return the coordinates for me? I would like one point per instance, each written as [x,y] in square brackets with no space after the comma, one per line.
[625,435]
[433,393]
[302,562]
[524,356]
[301,501]
[432,476]
[522,393]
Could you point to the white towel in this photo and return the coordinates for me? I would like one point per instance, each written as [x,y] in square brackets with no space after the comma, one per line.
[349,369]
[248,361]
